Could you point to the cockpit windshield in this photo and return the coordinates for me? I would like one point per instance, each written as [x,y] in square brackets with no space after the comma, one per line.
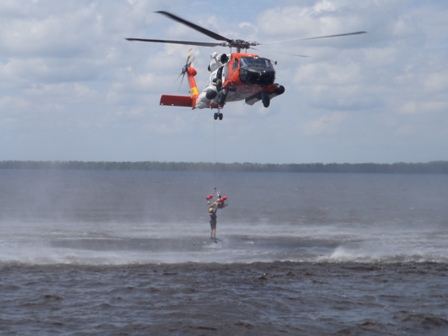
[256,62]
[256,71]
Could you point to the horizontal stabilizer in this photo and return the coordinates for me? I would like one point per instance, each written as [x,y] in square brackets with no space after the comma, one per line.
[170,100]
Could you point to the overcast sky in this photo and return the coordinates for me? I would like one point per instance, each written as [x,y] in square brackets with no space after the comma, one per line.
[72,88]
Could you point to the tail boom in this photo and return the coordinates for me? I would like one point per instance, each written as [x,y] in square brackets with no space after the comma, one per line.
[185,101]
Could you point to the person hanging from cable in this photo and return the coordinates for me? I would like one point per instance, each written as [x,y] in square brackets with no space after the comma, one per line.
[213,218]
[213,207]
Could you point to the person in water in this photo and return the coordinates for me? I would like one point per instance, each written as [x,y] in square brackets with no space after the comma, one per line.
[212,210]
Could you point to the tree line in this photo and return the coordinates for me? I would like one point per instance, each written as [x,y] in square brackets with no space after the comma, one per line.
[434,167]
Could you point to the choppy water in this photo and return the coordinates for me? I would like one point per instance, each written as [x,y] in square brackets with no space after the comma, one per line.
[121,253]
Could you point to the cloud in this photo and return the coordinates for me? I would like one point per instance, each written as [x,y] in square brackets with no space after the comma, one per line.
[324,124]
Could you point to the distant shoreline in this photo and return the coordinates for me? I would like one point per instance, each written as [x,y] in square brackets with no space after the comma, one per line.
[434,167]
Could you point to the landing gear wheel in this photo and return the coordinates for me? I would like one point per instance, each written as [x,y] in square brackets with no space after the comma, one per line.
[218,115]
[265,99]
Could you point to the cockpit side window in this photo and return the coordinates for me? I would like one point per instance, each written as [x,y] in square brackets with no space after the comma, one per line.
[235,64]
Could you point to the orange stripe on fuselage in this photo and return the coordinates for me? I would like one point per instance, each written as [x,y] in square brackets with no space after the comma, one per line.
[194,92]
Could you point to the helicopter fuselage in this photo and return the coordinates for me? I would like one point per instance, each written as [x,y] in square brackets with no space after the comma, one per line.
[239,76]
[234,77]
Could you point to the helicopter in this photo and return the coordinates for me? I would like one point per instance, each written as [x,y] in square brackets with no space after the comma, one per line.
[234,76]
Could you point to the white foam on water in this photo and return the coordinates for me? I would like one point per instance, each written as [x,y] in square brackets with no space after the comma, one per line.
[142,243]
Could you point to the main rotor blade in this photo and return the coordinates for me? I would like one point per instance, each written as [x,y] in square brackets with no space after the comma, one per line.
[201,44]
[200,29]
[337,35]
[318,37]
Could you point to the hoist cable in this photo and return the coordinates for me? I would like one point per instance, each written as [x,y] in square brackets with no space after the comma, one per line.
[214,154]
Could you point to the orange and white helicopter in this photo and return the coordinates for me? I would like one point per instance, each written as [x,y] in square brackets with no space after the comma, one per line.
[235,76]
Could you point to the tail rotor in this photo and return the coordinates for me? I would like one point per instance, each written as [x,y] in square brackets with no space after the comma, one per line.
[188,63]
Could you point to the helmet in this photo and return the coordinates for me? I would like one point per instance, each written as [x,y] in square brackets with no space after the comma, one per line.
[210,210]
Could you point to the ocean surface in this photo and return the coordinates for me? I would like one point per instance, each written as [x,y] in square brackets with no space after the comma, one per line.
[129,253]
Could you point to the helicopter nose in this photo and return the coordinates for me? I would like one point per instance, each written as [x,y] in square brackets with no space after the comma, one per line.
[266,76]
[257,76]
